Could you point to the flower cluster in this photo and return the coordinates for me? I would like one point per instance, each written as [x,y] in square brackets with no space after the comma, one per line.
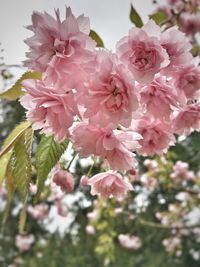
[110,104]
[185,14]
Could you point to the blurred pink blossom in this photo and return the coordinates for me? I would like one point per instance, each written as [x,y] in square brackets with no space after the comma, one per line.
[64,180]
[130,242]
[109,184]
[24,242]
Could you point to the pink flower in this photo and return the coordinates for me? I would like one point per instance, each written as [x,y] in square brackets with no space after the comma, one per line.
[111,94]
[108,184]
[178,49]
[55,40]
[171,244]
[84,180]
[181,171]
[39,211]
[90,230]
[48,108]
[158,98]
[64,179]
[93,215]
[176,5]
[157,137]
[142,52]
[187,80]
[187,120]
[190,23]
[130,242]
[24,242]
[114,146]
[151,164]
[62,208]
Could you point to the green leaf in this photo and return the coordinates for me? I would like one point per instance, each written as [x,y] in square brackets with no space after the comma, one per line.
[159,17]
[22,220]
[13,137]
[16,90]
[47,156]
[4,161]
[96,38]
[135,17]
[195,50]
[10,185]
[22,164]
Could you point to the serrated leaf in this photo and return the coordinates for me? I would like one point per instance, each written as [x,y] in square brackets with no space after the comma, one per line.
[16,90]
[28,145]
[6,212]
[135,17]
[10,185]
[158,17]
[13,137]
[22,220]
[96,38]
[47,156]
[22,164]
[4,161]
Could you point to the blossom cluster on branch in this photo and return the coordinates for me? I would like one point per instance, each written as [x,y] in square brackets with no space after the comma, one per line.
[111,104]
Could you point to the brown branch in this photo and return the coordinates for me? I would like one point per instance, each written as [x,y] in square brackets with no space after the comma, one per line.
[166,227]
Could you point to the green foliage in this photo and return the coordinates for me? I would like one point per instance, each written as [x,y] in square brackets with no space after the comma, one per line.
[187,150]
[159,17]
[96,38]
[135,17]
[4,161]
[16,167]
[16,90]
[22,219]
[195,50]
[47,155]
[22,165]
[10,146]
[13,137]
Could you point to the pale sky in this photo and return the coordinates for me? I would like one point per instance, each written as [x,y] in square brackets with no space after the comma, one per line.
[107,17]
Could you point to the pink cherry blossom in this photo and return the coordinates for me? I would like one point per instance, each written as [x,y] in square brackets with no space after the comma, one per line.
[187,120]
[181,171]
[39,211]
[114,146]
[24,242]
[159,97]
[171,244]
[62,208]
[142,52]
[54,40]
[178,49]
[84,180]
[157,136]
[148,182]
[173,2]
[190,23]
[109,184]
[64,180]
[187,80]
[130,242]
[111,93]
[93,215]
[151,164]
[90,230]
[48,109]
